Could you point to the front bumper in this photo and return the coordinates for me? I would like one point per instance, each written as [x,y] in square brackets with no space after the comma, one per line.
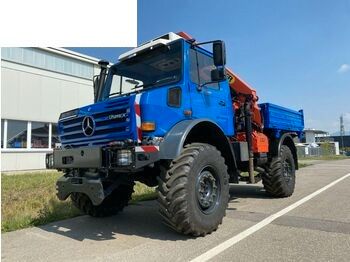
[102,157]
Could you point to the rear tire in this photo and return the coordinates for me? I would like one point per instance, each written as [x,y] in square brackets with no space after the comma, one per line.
[193,192]
[279,180]
[111,205]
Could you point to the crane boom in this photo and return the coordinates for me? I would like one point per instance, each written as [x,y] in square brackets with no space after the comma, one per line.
[242,91]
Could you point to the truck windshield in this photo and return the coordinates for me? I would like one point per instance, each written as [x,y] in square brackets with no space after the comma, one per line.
[159,66]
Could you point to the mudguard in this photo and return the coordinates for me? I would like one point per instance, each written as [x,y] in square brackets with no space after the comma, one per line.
[174,140]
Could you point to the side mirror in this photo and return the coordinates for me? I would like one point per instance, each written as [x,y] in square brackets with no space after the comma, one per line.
[219,53]
[217,74]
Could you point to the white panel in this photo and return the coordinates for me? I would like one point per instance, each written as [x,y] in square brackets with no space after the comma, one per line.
[336,145]
[9,92]
[8,161]
[69,96]
[30,94]
[51,102]
[85,95]
[22,161]
[96,70]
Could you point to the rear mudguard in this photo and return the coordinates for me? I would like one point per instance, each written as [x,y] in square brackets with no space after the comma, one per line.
[285,139]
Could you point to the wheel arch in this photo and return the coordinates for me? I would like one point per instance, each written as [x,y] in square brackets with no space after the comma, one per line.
[201,131]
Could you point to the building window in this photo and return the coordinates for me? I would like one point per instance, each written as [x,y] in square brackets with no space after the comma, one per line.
[16,134]
[2,133]
[55,141]
[40,135]
[26,135]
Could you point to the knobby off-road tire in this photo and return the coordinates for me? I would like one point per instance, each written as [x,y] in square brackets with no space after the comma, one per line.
[111,205]
[193,191]
[279,180]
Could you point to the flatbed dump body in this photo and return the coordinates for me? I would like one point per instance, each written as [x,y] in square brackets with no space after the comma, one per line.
[282,119]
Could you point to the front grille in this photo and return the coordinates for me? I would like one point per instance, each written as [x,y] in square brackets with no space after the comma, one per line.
[107,128]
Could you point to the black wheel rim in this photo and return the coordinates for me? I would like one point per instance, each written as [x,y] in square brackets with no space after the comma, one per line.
[287,171]
[208,190]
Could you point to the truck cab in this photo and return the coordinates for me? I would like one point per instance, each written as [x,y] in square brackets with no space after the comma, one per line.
[160,85]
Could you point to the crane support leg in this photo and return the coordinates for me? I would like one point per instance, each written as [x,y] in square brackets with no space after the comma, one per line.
[249,131]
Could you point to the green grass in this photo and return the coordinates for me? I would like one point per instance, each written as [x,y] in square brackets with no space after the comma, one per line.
[304,161]
[330,157]
[30,200]
[143,193]
[301,165]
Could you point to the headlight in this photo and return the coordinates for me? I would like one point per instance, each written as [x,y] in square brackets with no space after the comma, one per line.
[124,157]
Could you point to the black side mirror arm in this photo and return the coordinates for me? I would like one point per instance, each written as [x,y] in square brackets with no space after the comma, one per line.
[102,77]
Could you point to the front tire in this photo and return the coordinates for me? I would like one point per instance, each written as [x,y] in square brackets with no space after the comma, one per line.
[111,205]
[279,180]
[193,192]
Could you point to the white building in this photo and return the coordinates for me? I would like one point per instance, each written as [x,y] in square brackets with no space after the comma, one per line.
[37,84]
[312,135]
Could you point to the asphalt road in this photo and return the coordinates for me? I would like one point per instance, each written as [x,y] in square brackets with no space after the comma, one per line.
[316,230]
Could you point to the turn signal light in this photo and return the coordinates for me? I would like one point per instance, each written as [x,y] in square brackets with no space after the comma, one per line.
[148,126]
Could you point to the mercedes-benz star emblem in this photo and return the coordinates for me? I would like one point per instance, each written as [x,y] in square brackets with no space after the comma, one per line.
[88,126]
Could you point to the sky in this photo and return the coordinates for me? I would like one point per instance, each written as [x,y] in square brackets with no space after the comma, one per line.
[295,53]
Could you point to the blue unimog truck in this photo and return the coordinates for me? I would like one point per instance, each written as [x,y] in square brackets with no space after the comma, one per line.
[170,114]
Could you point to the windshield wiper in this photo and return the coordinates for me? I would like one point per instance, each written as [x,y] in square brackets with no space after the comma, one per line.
[159,81]
[132,81]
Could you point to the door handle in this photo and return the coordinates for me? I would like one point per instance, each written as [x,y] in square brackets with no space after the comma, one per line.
[222,103]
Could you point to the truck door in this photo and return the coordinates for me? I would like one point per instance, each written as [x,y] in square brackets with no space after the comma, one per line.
[211,100]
